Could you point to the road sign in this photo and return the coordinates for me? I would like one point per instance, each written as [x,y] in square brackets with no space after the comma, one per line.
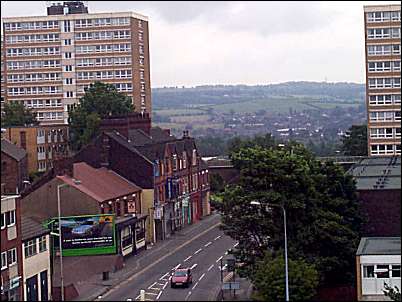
[231,285]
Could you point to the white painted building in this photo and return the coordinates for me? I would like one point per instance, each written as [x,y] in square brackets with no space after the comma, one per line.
[378,261]
[36,261]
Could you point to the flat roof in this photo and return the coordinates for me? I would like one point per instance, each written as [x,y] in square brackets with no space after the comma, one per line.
[379,246]
[377,173]
[382,8]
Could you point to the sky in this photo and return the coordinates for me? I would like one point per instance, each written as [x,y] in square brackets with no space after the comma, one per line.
[235,42]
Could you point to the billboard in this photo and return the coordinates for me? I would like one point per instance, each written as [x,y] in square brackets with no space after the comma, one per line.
[87,235]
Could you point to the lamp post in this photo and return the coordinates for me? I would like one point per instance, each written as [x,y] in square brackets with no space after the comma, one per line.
[286,246]
[60,241]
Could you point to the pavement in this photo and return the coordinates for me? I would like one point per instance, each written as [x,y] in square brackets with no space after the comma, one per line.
[199,246]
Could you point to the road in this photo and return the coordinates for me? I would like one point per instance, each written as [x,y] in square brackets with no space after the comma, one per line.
[201,252]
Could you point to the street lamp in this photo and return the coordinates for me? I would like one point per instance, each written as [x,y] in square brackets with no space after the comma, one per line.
[60,241]
[286,245]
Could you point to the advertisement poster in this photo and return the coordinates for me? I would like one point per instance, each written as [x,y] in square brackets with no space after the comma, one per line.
[88,235]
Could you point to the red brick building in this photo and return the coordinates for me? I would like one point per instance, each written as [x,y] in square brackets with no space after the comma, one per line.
[11,249]
[14,167]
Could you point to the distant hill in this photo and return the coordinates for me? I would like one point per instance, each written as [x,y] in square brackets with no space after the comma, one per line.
[179,98]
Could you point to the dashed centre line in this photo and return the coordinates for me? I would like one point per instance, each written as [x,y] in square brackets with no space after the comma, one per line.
[189,257]
[188,295]
[208,244]
[210,267]
[218,237]
[197,251]
[236,244]
[202,276]
[195,285]
[160,293]
[194,266]
[219,259]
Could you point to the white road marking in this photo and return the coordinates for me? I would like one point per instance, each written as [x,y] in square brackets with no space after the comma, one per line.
[164,276]
[151,294]
[218,237]
[165,284]
[161,284]
[160,293]
[187,258]
[219,259]
[236,244]
[149,287]
[226,252]
[195,285]
[197,251]
[208,244]
[202,276]
[139,296]
[176,267]
[170,278]
[188,295]
[210,267]
[194,266]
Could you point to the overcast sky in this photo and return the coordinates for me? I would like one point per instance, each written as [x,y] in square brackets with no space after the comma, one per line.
[195,43]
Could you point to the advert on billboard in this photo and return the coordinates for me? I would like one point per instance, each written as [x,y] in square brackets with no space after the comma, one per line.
[88,235]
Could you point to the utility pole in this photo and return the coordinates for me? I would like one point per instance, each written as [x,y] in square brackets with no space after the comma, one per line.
[60,240]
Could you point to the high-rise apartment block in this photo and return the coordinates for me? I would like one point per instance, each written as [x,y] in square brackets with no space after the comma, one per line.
[382,25]
[50,61]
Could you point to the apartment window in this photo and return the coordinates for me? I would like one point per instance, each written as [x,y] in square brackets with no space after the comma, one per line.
[378,33]
[382,271]
[68,68]
[10,218]
[368,271]
[141,36]
[381,133]
[396,32]
[67,55]
[3,260]
[398,149]
[140,23]
[142,75]
[141,49]
[69,94]
[174,162]
[67,26]
[30,248]
[67,42]
[396,49]
[42,244]
[141,61]
[12,257]
[397,132]
[3,215]
[68,81]
[380,83]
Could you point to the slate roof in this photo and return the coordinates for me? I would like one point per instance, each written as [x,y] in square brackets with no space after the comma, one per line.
[379,246]
[138,137]
[31,229]
[100,184]
[12,150]
[377,173]
[159,135]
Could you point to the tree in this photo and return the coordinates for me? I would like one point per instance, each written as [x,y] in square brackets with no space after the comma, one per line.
[321,205]
[269,279]
[393,293]
[99,101]
[217,183]
[354,142]
[16,114]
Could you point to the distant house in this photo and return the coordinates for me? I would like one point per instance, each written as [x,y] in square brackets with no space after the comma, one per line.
[378,183]
[14,169]
[378,261]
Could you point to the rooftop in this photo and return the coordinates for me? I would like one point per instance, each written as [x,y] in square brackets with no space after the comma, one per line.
[12,150]
[377,173]
[100,184]
[379,246]
[31,229]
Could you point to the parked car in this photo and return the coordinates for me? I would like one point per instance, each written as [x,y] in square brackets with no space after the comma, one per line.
[181,277]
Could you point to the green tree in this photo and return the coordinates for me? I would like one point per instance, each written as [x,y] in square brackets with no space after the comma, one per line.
[217,183]
[393,293]
[99,101]
[321,205]
[269,279]
[354,142]
[16,114]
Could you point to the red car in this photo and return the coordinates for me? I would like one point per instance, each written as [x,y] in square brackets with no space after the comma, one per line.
[181,277]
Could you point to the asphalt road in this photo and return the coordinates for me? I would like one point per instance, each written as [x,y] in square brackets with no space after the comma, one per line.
[200,251]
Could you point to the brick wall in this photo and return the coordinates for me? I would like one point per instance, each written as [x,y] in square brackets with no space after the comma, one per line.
[13,173]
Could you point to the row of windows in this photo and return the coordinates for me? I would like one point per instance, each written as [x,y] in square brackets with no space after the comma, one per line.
[12,65]
[34,90]
[36,51]
[386,49]
[385,132]
[101,22]
[385,99]
[384,33]
[384,66]
[33,38]
[386,149]
[8,258]
[31,25]
[381,271]
[43,103]
[117,74]
[7,219]
[103,48]
[119,86]
[31,249]
[103,35]
[385,116]
[34,77]
[49,116]
[379,83]
[383,16]
[105,61]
